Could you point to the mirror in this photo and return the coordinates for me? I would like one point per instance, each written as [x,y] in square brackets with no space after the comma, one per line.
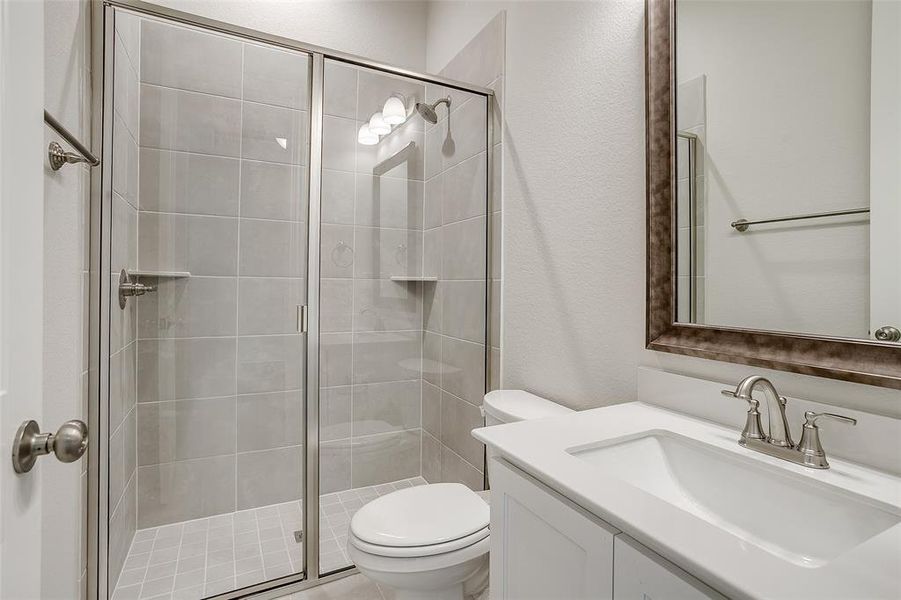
[787,191]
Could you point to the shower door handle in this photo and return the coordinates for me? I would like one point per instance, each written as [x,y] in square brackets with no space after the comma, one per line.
[68,444]
[302,318]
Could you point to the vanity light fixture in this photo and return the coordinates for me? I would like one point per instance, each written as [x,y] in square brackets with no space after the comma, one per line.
[394,112]
[366,137]
[377,124]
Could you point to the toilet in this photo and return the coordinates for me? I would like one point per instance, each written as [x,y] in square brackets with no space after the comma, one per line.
[431,542]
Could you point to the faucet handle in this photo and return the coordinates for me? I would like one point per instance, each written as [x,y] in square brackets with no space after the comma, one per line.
[753,428]
[812,453]
[812,418]
[734,394]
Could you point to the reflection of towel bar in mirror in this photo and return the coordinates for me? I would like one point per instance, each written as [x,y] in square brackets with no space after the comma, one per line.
[743,224]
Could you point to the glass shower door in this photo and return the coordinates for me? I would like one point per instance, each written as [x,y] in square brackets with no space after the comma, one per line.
[210,156]
[403,261]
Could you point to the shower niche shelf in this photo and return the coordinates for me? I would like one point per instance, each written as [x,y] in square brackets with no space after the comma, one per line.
[413,278]
[160,274]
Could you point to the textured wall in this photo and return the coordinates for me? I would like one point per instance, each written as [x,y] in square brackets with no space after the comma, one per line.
[390,31]
[573,192]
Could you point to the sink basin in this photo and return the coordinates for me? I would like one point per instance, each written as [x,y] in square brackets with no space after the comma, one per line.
[791,516]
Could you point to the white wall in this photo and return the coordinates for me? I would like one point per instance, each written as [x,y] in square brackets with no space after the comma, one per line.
[787,132]
[21,290]
[391,31]
[574,216]
[67,97]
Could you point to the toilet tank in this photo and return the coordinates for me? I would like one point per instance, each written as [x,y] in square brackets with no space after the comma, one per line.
[509,406]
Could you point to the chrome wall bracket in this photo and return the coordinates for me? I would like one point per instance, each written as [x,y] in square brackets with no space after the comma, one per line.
[129,288]
[68,444]
[59,157]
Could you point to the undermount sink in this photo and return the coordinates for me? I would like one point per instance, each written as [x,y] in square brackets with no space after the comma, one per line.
[793,517]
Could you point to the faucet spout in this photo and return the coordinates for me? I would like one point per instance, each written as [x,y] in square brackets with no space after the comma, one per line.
[778,430]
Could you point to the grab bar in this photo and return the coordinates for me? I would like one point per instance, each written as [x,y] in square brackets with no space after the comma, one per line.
[743,224]
[58,156]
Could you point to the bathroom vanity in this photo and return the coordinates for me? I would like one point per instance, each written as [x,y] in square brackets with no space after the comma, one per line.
[636,501]
[536,530]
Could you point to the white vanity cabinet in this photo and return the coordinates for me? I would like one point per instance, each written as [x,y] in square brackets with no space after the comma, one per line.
[542,546]
[545,547]
[641,574]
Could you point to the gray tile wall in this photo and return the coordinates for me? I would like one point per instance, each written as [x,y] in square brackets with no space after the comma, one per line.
[123,323]
[222,194]
[370,399]
[456,219]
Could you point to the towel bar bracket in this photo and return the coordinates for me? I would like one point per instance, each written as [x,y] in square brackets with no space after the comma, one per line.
[58,156]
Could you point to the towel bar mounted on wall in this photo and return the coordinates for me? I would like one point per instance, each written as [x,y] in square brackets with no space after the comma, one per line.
[743,224]
[58,156]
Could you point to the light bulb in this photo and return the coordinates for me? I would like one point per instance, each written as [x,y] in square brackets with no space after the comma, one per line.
[378,126]
[366,137]
[394,112]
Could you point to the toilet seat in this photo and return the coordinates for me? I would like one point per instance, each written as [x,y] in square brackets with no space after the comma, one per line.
[417,551]
[421,521]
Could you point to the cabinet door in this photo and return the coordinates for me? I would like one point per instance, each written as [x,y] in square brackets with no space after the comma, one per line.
[543,546]
[641,574]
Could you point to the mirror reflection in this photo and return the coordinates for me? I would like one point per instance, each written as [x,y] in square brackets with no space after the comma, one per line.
[788,154]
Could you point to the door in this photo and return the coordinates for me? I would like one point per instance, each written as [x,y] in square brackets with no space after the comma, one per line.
[207,172]
[21,289]
[543,545]
[885,177]
[640,574]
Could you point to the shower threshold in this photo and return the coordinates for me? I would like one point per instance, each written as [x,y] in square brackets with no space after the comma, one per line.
[200,558]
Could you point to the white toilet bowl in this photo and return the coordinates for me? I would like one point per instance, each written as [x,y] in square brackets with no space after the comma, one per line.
[428,542]
[431,542]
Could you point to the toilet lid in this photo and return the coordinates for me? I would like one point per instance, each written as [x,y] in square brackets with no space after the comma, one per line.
[421,516]
[419,551]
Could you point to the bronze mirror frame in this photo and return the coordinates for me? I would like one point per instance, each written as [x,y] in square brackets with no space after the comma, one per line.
[860,361]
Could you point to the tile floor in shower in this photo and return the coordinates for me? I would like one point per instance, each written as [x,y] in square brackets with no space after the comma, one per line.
[205,557]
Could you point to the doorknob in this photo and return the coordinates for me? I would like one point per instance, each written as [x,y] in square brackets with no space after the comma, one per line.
[68,444]
[888,334]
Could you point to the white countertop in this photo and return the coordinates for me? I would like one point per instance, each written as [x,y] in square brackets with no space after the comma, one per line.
[719,558]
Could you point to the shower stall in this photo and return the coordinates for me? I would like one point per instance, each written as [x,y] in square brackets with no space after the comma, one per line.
[292,315]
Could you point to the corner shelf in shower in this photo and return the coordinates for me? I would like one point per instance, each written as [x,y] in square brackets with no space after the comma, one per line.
[413,278]
[160,274]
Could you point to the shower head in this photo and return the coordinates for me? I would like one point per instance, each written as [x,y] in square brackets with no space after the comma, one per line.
[428,112]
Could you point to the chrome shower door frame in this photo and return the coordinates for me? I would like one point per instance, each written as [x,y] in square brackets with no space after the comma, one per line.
[103,32]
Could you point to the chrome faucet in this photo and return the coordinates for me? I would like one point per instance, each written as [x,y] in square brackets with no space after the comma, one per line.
[777,441]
